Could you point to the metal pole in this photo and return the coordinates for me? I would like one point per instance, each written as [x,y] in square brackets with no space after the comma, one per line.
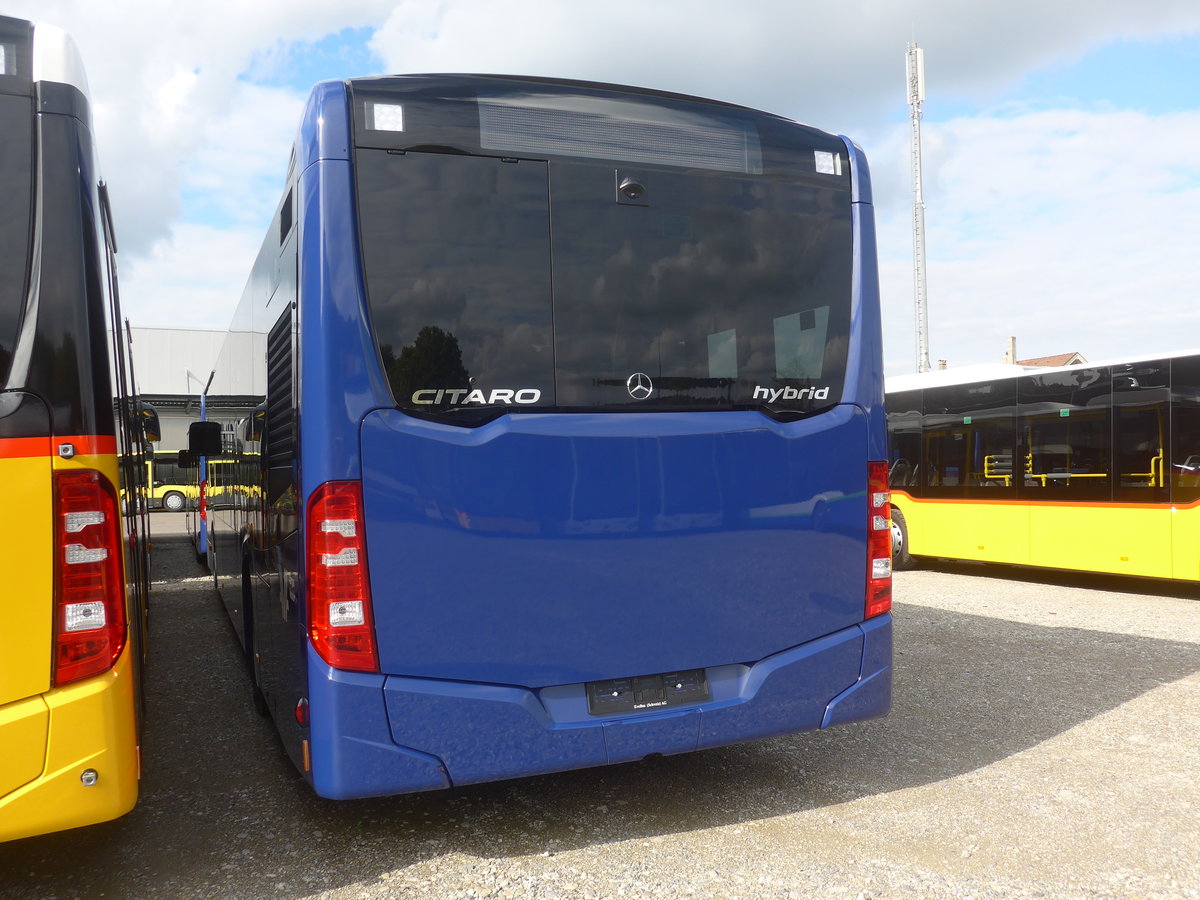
[915,64]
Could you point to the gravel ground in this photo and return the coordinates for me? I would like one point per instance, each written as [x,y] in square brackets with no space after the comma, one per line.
[1042,744]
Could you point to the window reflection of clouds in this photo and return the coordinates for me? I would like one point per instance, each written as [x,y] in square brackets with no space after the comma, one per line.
[751,253]
[15,180]
[463,244]
[459,243]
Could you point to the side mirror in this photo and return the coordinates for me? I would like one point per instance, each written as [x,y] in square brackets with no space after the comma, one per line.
[204,438]
[255,423]
[188,460]
[148,416]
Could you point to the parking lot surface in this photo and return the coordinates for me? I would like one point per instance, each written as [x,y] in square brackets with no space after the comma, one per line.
[1042,743]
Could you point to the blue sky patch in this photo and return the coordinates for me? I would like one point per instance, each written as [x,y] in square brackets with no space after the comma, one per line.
[301,64]
[1154,77]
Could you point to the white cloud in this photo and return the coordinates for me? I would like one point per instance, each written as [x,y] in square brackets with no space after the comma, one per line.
[839,66]
[162,73]
[1044,225]
[1060,227]
[190,279]
[237,171]
[1071,230]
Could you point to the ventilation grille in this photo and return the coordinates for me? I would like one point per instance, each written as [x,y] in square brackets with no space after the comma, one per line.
[281,412]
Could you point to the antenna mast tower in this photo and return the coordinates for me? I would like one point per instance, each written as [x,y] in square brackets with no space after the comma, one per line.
[915,64]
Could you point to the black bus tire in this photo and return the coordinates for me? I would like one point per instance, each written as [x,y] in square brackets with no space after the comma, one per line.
[173,501]
[901,559]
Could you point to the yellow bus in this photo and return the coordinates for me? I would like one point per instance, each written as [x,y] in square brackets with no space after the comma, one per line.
[73,549]
[1089,467]
[170,486]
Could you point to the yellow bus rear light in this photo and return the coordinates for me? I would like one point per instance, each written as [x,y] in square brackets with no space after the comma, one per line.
[77,554]
[75,522]
[84,616]
[89,588]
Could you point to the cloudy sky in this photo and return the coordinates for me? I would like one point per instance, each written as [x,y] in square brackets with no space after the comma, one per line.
[1062,139]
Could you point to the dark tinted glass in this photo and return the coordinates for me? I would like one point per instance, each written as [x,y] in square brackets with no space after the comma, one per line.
[167,470]
[1141,428]
[16,38]
[723,289]
[706,264]
[904,436]
[618,129]
[970,439]
[1185,430]
[540,119]
[16,186]
[1066,421]
[69,360]
[457,255]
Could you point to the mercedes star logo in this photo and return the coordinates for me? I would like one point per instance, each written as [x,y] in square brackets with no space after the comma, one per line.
[639,386]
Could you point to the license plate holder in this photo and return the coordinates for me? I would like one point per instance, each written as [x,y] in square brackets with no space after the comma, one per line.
[640,693]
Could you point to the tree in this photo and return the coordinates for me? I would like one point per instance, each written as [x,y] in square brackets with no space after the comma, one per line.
[432,361]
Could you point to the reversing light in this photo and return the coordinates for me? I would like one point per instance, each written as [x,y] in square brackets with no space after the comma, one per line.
[879,541]
[340,622]
[83,616]
[350,613]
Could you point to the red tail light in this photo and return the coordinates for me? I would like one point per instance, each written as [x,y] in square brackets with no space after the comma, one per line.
[340,622]
[879,541]
[89,595]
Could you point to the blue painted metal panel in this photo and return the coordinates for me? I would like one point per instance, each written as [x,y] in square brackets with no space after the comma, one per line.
[864,374]
[353,754]
[871,695]
[553,549]
[672,732]
[485,732]
[325,125]
[341,378]
[790,691]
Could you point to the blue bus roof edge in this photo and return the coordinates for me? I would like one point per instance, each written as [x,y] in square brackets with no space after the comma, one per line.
[866,327]
[860,173]
[323,136]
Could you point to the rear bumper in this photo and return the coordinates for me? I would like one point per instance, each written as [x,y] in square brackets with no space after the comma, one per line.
[48,742]
[374,735]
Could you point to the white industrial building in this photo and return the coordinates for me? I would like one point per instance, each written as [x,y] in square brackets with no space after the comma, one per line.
[172,366]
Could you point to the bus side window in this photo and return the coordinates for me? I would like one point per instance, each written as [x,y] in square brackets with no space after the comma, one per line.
[904,426]
[1185,430]
[1066,422]
[1141,427]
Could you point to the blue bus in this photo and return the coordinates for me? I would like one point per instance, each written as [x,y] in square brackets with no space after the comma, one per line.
[566,442]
